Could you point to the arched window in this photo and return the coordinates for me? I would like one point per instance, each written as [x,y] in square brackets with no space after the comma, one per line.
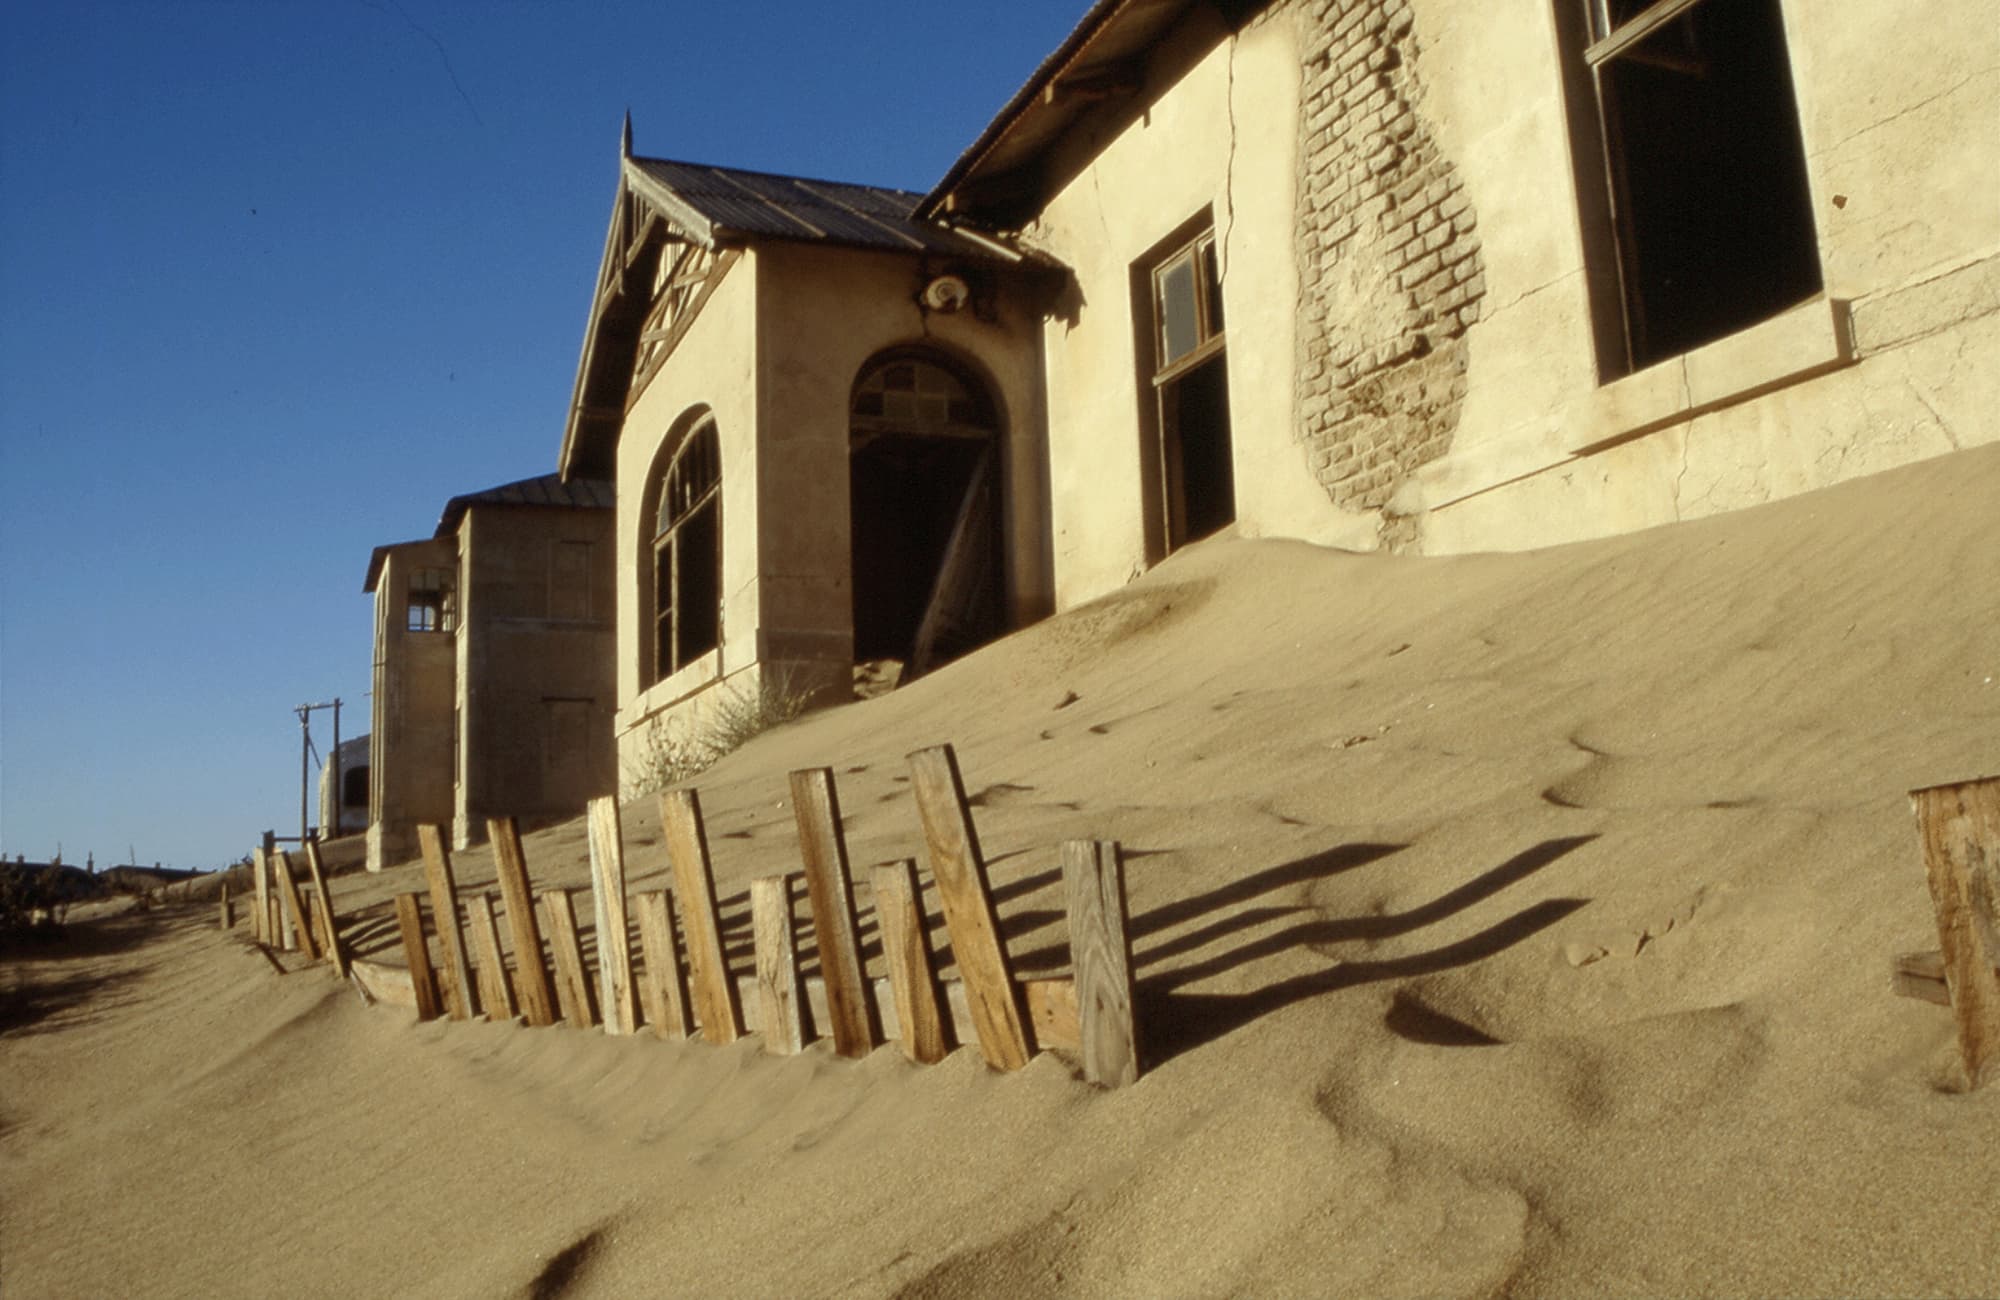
[687,554]
[914,396]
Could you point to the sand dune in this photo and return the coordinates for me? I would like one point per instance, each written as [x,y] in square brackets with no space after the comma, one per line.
[1510,923]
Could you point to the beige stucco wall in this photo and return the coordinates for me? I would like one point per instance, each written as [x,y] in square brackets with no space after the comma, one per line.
[515,656]
[410,759]
[775,354]
[1217,133]
[823,313]
[1899,123]
[713,369]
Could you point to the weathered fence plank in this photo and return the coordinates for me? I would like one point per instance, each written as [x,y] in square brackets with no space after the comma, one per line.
[830,890]
[295,908]
[607,889]
[444,917]
[1959,825]
[330,946]
[778,992]
[969,915]
[662,983]
[531,974]
[906,949]
[410,920]
[716,1000]
[496,999]
[1101,956]
[572,986]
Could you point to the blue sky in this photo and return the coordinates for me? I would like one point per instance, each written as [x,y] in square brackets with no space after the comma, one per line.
[278,277]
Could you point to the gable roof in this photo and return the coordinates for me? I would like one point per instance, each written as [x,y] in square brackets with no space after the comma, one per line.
[545,490]
[1102,57]
[719,209]
[715,206]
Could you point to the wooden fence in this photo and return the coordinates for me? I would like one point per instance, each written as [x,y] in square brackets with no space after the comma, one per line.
[1959,826]
[681,985]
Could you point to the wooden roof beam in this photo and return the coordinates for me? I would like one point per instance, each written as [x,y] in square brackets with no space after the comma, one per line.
[1118,80]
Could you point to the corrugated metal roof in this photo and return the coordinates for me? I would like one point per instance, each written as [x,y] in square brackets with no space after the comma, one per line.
[751,204]
[545,490]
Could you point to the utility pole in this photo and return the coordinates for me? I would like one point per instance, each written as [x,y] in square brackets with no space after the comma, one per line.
[305,712]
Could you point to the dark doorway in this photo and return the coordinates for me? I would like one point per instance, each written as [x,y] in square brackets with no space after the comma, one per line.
[924,506]
[1199,467]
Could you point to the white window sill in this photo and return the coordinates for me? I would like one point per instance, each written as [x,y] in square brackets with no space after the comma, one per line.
[691,680]
[1810,339]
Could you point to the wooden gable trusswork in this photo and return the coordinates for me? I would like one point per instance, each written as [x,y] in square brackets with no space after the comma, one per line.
[687,274]
[661,261]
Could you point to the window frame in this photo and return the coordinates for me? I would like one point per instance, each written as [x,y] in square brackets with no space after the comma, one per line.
[1198,252]
[671,522]
[1633,330]
[428,616]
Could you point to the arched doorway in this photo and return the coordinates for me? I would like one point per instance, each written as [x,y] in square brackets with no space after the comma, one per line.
[924,474]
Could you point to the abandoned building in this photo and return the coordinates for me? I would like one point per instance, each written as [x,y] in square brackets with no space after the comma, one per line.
[1408,274]
[493,672]
[343,790]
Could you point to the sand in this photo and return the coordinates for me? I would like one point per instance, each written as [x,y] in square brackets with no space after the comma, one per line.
[1505,925]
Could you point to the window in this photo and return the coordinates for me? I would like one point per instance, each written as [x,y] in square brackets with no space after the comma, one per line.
[1710,210]
[915,396]
[1194,473]
[1187,306]
[687,554]
[433,601]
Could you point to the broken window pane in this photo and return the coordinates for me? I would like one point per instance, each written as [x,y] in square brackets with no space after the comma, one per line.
[430,601]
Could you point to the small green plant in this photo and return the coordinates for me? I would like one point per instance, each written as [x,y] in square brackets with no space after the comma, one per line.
[673,751]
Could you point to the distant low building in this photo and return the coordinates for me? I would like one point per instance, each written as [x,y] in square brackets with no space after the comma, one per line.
[494,671]
[343,790]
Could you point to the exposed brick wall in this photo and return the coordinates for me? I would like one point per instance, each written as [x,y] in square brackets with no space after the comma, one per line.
[1390,269]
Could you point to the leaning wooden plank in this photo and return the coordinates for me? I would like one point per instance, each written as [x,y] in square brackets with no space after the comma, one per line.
[717,1003]
[662,982]
[495,998]
[531,974]
[607,889]
[572,987]
[778,993]
[830,890]
[906,949]
[444,914]
[260,872]
[1960,828]
[1101,955]
[997,1013]
[390,984]
[295,909]
[410,920]
[329,920]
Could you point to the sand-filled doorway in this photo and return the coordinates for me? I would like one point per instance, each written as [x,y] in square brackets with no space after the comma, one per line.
[925,512]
